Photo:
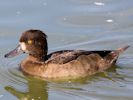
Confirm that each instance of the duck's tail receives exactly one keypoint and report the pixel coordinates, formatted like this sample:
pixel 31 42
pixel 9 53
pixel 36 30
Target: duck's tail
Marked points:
pixel 112 57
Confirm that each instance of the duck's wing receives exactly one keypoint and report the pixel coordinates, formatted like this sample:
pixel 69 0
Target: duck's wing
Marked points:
pixel 65 56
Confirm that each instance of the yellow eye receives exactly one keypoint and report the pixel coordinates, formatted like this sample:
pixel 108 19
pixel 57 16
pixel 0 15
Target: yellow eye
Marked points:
pixel 30 41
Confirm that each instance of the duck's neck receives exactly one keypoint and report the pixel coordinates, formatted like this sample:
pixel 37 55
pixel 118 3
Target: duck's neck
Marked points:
pixel 38 57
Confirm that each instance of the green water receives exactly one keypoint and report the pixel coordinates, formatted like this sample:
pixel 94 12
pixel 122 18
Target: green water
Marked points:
pixel 69 24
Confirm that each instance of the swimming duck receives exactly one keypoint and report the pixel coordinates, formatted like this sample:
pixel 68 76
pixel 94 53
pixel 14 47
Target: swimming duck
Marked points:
pixel 60 64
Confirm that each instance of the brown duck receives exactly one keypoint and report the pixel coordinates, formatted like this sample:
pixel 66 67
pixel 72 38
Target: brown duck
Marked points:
pixel 60 64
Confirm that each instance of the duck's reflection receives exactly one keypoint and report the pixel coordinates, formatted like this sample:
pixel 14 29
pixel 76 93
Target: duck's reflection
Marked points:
pixel 37 90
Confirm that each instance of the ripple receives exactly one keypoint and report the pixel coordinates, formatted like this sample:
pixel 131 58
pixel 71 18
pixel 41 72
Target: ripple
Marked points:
pixel 87 20
pixel 90 1
pixel 1 96
pixel 10 75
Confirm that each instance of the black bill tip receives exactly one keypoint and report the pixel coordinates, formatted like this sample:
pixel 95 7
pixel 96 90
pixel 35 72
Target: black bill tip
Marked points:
pixel 6 55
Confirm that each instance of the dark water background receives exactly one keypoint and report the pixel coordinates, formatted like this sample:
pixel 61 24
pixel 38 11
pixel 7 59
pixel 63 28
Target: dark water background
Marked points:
pixel 69 24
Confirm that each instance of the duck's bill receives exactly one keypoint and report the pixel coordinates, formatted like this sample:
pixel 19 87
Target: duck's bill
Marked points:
pixel 14 52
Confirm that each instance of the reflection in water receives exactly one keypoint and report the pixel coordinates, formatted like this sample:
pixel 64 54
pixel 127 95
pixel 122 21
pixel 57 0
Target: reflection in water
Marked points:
pixel 111 74
pixel 37 90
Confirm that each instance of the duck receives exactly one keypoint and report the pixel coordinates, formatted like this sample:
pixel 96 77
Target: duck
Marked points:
pixel 63 63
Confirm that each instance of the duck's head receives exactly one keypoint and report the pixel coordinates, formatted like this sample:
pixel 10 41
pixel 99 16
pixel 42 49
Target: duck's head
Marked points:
pixel 33 42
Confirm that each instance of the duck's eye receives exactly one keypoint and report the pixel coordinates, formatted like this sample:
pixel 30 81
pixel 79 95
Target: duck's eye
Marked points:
pixel 29 41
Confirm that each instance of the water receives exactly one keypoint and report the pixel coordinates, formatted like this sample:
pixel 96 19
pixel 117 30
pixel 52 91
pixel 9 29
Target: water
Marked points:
pixel 69 24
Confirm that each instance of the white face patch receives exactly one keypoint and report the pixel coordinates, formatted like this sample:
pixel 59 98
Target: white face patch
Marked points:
pixel 23 46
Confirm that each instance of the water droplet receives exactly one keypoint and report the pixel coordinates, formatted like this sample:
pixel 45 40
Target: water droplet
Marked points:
pixel 109 20
pixel 99 3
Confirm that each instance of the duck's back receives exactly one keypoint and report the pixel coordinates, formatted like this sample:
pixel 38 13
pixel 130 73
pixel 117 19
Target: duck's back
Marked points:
pixel 65 56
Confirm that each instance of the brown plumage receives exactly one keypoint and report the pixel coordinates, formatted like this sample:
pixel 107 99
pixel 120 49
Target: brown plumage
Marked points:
pixel 61 64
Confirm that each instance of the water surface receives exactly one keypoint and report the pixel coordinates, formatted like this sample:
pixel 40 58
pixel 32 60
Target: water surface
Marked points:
pixel 69 24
